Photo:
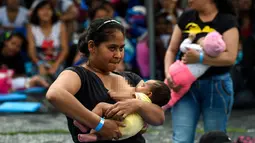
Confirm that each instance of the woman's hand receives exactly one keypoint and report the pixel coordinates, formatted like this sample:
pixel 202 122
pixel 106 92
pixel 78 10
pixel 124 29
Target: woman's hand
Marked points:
pixel 109 131
pixel 121 109
pixel 171 84
pixel 53 69
pixel 190 57
pixel 38 81
pixel 42 70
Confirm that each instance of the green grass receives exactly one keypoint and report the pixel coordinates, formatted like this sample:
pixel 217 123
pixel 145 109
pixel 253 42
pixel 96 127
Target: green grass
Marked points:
pixel 229 130
pixel 36 132
pixel 201 131
pixel 149 131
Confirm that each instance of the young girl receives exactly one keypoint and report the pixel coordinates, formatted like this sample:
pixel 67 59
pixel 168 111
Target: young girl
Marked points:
pixel 47 40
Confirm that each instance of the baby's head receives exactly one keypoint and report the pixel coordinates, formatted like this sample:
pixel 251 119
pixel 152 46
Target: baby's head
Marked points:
pixel 156 90
pixel 215 137
pixel 213 44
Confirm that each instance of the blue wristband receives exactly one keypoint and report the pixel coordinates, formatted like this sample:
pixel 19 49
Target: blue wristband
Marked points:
pixel 201 57
pixel 100 125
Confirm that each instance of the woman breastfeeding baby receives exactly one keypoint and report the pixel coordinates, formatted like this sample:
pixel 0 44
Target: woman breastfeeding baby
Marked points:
pixel 82 92
pixel 184 75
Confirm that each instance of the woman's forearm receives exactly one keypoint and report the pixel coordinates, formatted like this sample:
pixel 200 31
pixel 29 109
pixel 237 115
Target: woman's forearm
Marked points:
pixel 62 56
pixel 151 113
pixel 224 59
pixel 169 59
pixel 33 56
pixel 70 106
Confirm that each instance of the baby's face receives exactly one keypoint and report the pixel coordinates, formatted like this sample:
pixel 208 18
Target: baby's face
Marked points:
pixel 145 87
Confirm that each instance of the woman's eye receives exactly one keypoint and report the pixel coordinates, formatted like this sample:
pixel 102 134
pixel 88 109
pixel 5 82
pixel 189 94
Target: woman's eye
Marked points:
pixel 121 49
pixel 112 49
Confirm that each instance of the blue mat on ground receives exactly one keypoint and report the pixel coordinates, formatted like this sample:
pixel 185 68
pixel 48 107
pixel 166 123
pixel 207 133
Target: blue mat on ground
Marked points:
pixel 32 90
pixel 12 97
pixel 16 107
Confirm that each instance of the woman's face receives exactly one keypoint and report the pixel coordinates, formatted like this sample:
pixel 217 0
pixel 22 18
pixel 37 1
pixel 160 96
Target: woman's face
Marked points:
pixel 45 13
pixel 161 26
pixel 109 54
pixel 110 10
pixel 101 13
pixel 13 46
pixel 196 4
pixel 168 3
pixel 12 4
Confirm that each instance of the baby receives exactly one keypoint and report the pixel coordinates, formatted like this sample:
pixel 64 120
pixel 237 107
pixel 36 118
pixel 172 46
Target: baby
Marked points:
pixel 215 137
pixel 153 91
pixel 185 74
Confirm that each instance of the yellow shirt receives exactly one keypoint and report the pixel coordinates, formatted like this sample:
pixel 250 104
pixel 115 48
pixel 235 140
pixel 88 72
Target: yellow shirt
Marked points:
pixel 134 122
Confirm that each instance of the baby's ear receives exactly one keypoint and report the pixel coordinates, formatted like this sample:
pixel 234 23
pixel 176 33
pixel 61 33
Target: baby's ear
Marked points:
pixel 149 94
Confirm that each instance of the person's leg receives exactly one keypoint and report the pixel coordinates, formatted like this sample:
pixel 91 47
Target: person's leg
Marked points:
pixel 217 102
pixel 185 115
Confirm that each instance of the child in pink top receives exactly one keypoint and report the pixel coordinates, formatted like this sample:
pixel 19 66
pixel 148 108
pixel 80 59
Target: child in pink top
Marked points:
pixel 185 74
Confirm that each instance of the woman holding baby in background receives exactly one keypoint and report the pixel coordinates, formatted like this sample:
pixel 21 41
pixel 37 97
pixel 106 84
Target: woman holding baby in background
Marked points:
pixel 212 93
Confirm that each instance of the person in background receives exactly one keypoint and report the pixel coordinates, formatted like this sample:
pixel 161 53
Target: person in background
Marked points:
pixel 66 11
pixel 94 13
pixel 47 40
pixel 246 9
pixel 204 17
pixel 170 7
pixel 11 59
pixel 13 17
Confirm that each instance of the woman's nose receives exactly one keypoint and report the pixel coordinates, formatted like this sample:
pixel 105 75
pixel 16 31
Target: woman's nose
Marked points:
pixel 117 54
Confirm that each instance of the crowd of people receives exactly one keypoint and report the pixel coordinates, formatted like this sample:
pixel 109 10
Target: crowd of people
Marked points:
pixel 49 42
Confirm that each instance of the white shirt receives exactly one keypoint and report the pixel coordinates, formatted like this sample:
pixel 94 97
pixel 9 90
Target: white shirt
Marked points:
pixel 20 21
pixel 62 5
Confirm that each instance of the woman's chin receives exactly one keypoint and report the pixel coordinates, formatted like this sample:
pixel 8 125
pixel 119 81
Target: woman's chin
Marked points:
pixel 112 67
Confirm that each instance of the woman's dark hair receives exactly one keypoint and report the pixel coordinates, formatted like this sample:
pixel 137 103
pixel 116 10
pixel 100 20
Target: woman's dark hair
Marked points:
pixel 9 35
pixel 34 16
pixel 225 6
pixel 99 31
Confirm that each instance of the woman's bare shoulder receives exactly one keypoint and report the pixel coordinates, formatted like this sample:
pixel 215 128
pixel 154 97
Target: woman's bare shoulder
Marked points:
pixel 68 80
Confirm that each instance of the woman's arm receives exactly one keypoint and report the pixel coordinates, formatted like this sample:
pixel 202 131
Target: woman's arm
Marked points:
pixel 151 113
pixel 61 95
pixel 64 44
pixel 227 58
pixel 173 48
pixel 31 45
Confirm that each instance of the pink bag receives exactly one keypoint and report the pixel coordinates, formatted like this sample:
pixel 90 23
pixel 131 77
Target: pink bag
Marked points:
pixel 5 80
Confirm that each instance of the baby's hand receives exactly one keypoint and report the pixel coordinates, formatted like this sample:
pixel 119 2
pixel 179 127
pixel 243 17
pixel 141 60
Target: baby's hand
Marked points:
pixel 192 36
